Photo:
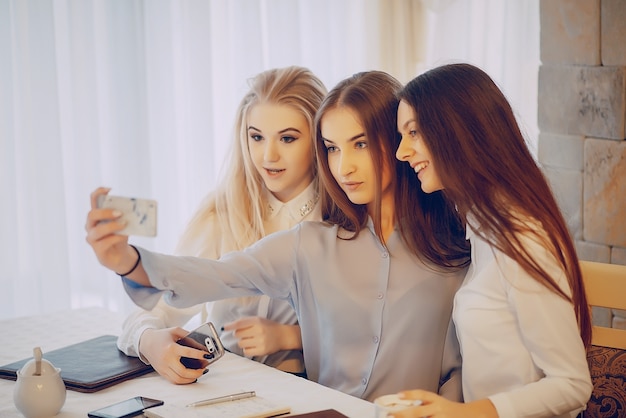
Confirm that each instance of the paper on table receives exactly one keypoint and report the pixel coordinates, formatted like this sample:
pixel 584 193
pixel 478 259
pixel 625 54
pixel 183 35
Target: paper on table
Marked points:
pixel 255 407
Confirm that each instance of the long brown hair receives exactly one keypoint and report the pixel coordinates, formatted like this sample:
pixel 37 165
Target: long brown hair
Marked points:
pixel 428 225
pixel 488 172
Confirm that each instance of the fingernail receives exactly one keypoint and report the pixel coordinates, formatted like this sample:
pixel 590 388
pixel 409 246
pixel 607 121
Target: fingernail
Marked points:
pixel 205 371
pixel 208 356
pixel 117 213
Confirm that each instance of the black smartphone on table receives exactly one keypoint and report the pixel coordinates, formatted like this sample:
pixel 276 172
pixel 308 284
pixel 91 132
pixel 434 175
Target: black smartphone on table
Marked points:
pixel 125 409
pixel 205 338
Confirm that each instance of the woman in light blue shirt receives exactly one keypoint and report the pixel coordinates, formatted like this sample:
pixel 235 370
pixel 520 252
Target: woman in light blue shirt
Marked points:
pixel 372 286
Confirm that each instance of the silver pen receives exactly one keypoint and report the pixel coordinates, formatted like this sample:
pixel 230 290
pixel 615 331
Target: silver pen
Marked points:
pixel 227 398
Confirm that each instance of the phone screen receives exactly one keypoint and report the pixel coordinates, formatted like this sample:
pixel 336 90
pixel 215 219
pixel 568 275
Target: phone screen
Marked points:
pixel 128 408
pixel 204 338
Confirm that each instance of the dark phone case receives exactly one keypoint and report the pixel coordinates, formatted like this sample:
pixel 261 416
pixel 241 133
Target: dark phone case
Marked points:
pixel 196 339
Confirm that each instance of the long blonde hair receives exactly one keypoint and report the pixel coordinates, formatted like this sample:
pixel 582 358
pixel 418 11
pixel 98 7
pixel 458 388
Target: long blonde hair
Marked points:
pixel 237 204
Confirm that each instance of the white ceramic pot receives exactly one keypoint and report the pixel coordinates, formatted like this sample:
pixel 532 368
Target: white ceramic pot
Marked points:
pixel 39 391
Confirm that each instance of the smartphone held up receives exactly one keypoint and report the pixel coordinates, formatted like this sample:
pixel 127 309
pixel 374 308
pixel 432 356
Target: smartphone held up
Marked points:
pixel 140 215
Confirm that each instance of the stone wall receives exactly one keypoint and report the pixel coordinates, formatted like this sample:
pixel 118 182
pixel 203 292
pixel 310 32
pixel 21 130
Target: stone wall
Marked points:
pixel 582 123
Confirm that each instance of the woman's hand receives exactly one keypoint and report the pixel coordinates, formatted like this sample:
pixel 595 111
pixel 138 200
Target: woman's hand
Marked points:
pixel 260 336
pixel 159 347
pixel 435 406
pixel 102 224
pixel 111 249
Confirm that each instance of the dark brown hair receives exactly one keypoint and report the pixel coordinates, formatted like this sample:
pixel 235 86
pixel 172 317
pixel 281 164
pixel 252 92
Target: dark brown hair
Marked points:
pixel 488 172
pixel 427 223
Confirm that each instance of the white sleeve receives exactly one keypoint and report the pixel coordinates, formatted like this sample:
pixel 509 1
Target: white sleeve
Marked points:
pixel 159 317
pixel 551 335
pixel 164 315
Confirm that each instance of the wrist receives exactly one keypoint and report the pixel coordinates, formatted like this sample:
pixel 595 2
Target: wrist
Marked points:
pixel 483 408
pixel 292 340
pixel 136 259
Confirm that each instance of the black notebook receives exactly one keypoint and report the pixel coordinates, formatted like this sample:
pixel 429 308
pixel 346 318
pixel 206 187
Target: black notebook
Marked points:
pixel 88 366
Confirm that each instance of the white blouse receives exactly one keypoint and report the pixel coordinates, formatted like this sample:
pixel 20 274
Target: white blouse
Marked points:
pixel 520 343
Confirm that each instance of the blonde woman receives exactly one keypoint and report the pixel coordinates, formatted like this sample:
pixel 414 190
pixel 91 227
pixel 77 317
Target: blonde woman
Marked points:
pixel 270 184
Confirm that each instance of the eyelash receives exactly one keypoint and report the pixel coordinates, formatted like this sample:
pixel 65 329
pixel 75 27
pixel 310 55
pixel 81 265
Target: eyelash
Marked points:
pixel 284 139
pixel 288 139
pixel 359 145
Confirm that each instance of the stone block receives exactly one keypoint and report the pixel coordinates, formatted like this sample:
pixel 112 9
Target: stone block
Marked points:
pixel 604 192
pixel 588 101
pixel 613 30
pixel 618 255
pixel 570 32
pixel 601 316
pixel 589 251
pixel 567 188
pixel 560 151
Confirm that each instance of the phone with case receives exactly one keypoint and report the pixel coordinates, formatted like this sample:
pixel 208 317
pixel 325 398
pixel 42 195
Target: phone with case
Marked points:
pixel 140 215
pixel 126 409
pixel 205 338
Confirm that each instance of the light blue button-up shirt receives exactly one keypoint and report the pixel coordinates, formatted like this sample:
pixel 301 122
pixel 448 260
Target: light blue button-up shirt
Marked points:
pixel 374 321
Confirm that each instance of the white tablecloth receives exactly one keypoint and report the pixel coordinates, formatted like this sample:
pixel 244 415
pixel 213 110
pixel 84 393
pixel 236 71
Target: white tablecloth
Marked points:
pixel 230 374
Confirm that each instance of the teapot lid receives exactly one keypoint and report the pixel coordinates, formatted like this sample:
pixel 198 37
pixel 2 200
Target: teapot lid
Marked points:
pixel 38 366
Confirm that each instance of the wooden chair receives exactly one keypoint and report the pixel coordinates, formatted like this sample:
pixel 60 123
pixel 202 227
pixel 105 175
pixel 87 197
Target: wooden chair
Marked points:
pixel 605 285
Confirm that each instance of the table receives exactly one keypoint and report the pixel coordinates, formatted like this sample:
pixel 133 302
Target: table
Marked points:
pixel 230 374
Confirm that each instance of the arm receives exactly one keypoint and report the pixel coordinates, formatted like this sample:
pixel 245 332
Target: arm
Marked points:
pixel 259 336
pixel 160 317
pixel 435 406
pixel 160 349
pixel 450 386
pixel 112 249
pixel 550 332
pixel 264 268
pixel 152 335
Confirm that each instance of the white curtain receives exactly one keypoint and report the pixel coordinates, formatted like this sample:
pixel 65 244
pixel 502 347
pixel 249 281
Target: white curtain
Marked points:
pixel 499 36
pixel 140 95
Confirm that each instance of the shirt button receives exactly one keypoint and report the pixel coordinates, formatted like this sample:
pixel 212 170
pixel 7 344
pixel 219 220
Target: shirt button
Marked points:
pixel 166 283
pixel 385 254
pixel 375 339
pixel 379 296
pixel 364 381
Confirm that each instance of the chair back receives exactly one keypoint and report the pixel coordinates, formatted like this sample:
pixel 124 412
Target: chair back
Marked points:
pixel 605 285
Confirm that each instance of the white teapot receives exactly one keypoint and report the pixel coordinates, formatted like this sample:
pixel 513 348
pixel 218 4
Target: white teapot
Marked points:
pixel 39 391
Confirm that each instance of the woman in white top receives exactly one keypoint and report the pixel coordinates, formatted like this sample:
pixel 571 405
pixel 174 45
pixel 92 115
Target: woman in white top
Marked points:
pixel 372 286
pixel 270 184
pixel 521 314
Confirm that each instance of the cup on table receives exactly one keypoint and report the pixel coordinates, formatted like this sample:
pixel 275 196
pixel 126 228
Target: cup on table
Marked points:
pixel 392 403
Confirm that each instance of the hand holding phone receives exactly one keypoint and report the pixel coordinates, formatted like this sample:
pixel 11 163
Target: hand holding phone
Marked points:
pixel 140 215
pixel 125 409
pixel 205 338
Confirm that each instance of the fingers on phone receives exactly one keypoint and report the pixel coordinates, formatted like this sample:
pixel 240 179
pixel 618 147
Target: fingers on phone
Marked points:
pixel 96 193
